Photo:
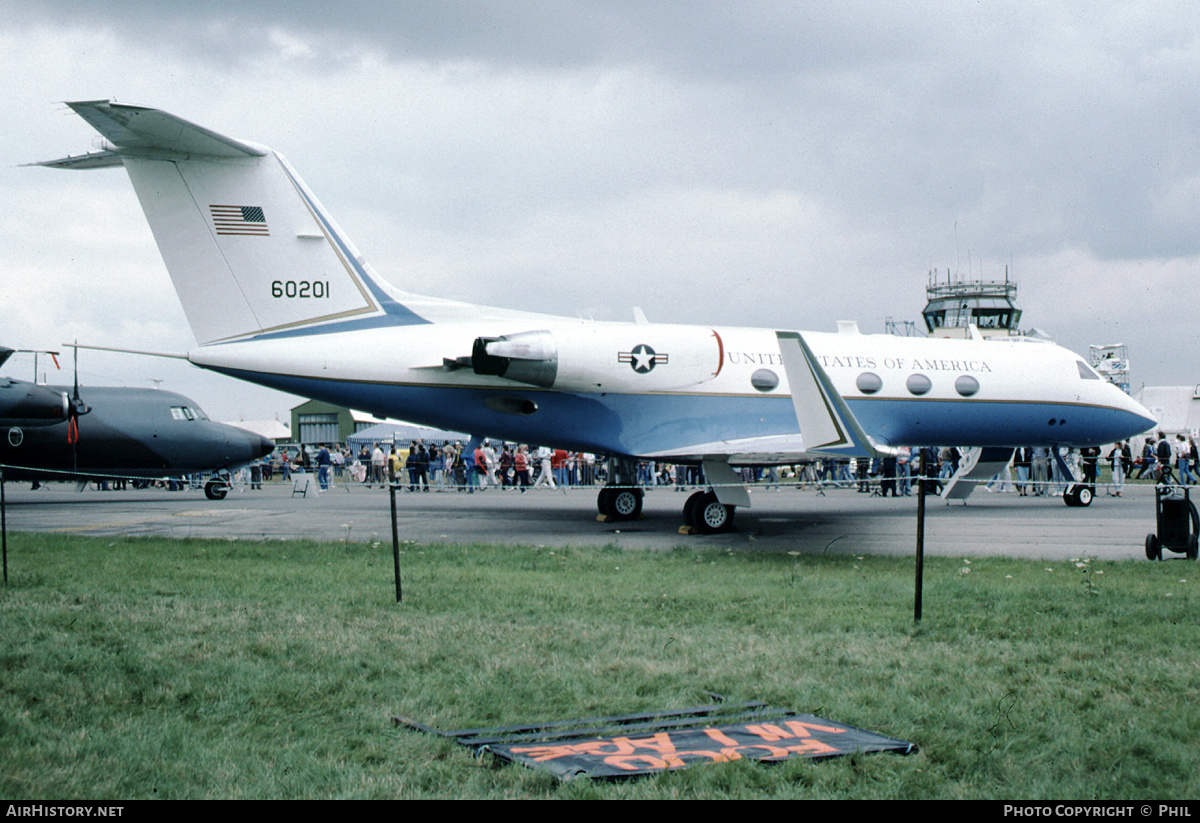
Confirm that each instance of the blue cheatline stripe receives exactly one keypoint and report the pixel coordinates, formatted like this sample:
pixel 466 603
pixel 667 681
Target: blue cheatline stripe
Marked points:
pixel 638 424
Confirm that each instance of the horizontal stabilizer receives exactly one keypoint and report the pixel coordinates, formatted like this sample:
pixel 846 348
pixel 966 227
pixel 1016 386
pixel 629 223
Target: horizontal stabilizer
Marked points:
pixel 92 160
pixel 137 127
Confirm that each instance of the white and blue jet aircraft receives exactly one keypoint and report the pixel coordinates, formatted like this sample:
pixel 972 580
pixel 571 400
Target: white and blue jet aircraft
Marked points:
pixel 276 294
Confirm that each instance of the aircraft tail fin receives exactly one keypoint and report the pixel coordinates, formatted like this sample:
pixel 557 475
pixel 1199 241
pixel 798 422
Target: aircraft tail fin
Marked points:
pixel 249 249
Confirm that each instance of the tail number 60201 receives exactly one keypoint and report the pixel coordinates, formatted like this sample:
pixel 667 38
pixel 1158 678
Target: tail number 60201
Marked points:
pixel 300 289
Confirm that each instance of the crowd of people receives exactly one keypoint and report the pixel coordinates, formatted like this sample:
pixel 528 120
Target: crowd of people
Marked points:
pixel 453 466
pixel 450 466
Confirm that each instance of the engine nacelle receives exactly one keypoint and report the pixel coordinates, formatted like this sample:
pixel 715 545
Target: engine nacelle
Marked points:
pixel 30 404
pixel 527 357
pixel 604 357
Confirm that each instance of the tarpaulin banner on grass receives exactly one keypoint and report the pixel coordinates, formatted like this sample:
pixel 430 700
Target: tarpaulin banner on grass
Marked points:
pixel 797 735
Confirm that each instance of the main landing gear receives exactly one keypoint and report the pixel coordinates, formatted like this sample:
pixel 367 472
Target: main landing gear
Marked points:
pixel 705 514
pixel 618 504
pixel 702 512
pixel 621 499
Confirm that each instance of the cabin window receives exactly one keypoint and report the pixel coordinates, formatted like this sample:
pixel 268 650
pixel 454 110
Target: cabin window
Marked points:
pixel 966 385
pixel 764 380
pixel 918 384
pixel 868 382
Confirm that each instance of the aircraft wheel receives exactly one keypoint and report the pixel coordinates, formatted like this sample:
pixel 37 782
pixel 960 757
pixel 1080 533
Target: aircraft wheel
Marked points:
pixel 690 508
pixel 712 516
pixel 626 504
pixel 216 490
pixel 620 504
pixel 1193 547
pixel 1153 547
pixel 1083 496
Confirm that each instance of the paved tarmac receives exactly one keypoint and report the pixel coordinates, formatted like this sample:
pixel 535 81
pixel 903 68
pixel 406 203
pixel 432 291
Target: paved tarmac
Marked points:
pixel 787 520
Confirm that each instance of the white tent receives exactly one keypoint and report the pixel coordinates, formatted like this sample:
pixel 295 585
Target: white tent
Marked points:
pixel 1176 408
pixel 402 434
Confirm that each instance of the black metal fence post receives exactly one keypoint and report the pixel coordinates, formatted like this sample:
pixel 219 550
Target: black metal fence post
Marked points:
pixel 920 537
pixel 395 539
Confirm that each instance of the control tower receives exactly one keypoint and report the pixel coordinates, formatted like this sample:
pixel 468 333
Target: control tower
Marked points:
pixel 988 305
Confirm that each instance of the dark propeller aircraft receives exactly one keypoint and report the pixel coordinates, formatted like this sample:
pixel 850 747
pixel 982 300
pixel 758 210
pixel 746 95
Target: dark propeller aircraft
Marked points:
pixel 50 433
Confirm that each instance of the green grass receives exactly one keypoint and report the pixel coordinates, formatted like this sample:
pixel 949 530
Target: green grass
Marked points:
pixel 138 668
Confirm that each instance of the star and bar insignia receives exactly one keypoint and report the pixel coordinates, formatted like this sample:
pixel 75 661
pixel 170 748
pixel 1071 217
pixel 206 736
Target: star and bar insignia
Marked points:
pixel 642 359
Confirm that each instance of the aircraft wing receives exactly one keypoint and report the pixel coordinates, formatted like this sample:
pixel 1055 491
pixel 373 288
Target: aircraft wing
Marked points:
pixel 781 449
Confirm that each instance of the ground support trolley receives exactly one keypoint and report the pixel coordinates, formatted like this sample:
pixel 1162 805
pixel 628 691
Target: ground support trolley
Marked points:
pixel 1177 522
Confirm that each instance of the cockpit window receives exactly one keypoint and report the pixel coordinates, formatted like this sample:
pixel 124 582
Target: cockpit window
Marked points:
pixel 182 413
pixel 1086 371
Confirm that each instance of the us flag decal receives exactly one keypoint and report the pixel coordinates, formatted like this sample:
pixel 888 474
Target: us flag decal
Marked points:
pixel 239 220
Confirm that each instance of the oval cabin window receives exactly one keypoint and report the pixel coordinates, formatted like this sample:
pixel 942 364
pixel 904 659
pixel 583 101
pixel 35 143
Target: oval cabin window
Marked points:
pixel 918 384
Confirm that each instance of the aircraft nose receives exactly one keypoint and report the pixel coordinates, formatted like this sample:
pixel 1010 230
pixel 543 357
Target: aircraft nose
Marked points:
pixel 1134 417
pixel 252 447
pixel 244 446
pixel 265 447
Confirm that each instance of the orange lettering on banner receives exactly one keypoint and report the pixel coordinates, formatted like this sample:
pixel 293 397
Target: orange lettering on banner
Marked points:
pixel 772 752
pixel 658 751
pixel 632 762
pixel 814 746
pixel 615 745
pixel 715 756
pixel 720 737
pixel 768 731
pixel 660 743
pixel 541 754
pixel 800 728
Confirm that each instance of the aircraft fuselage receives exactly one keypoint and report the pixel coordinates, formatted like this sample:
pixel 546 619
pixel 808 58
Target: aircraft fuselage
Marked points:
pixel 644 389
pixel 127 432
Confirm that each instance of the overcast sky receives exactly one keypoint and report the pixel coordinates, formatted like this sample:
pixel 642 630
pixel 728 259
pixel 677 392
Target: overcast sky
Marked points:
pixel 780 164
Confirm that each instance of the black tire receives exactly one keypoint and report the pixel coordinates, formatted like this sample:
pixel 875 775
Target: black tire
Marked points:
pixel 604 501
pixel 625 504
pixel 216 490
pixel 1153 547
pixel 689 510
pixel 712 516
pixel 1078 494
pixel 1193 547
